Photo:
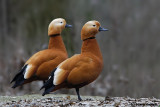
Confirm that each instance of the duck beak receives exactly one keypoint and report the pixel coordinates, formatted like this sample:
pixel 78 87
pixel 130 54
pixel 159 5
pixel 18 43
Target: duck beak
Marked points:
pixel 68 26
pixel 102 29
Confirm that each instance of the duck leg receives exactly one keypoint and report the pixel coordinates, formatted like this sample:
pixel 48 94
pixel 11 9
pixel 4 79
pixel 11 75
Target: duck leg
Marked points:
pixel 77 91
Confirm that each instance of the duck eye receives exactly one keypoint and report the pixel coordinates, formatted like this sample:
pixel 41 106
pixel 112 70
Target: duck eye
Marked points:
pixel 94 25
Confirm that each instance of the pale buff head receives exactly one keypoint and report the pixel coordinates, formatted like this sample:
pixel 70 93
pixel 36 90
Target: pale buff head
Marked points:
pixel 90 29
pixel 56 26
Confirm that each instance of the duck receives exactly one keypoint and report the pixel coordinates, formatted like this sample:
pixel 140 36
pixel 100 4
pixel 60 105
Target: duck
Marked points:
pixel 80 69
pixel 40 65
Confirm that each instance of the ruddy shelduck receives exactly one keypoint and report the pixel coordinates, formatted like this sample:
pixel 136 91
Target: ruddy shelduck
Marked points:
pixel 41 64
pixel 80 69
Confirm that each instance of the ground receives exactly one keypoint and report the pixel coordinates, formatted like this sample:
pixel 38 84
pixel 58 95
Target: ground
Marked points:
pixel 71 100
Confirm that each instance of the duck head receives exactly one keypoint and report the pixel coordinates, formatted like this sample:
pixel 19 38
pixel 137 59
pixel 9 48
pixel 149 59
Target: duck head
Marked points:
pixel 90 29
pixel 56 26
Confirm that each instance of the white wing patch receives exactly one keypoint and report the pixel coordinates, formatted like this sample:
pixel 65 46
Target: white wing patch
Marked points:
pixel 27 71
pixel 60 74
pixel 56 76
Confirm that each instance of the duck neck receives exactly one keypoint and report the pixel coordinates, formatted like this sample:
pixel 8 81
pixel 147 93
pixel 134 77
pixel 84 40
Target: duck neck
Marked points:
pixel 91 46
pixel 56 42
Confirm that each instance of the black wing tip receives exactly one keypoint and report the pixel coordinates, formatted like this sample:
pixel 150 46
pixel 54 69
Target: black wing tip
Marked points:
pixel 14 79
pixel 14 86
pixel 18 75
pixel 44 94
pixel 45 84
pixel 17 84
pixel 47 91
pixel 11 82
pixel 41 88
pixel 48 85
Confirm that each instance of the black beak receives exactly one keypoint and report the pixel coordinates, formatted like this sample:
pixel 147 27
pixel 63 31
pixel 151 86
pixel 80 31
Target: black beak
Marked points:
pixel 67 25
pixel 102 29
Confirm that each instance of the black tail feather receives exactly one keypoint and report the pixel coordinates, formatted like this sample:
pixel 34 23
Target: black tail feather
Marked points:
pixel 18 84
pixel 47 91
pixel 49 86
pixel 44 85
pixel 19 78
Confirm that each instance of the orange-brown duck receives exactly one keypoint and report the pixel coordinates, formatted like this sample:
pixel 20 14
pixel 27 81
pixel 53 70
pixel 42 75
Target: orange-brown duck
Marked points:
pixel 40 65
pixel 80 69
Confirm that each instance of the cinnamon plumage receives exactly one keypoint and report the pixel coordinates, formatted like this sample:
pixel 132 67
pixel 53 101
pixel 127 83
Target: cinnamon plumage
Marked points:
pixel 80 69
pixel 40 65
